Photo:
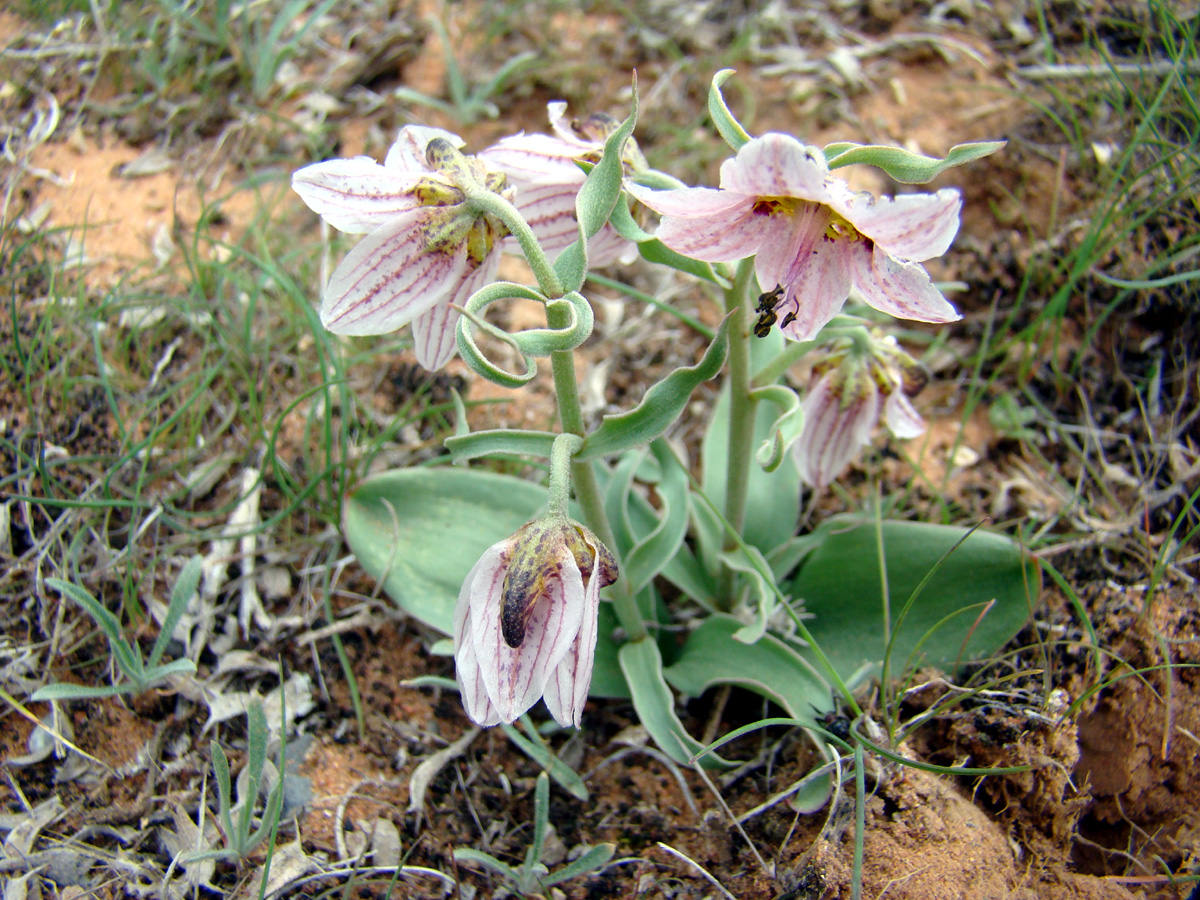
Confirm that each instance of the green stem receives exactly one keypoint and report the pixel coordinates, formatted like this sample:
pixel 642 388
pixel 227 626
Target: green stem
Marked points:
pixel 570 413
pixel 741 417
pixel 565 446
pixel 587 488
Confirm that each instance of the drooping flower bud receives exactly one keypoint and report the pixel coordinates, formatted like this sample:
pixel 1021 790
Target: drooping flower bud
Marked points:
pixel 525 622
pixel 855 381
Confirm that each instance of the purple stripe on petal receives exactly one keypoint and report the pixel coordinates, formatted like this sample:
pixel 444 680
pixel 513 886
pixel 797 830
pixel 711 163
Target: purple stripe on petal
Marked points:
pixel 521 673
pixel 355 195
pixel 832 434
pixel 727 236
pixel 900 289
pixel 914 227
pixel 388 279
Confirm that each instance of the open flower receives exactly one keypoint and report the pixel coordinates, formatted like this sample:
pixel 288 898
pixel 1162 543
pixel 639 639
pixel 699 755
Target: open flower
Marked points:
pixel 811 235
pixel 543 169
pixel 426 246
pixel 525 622
pixel 842 408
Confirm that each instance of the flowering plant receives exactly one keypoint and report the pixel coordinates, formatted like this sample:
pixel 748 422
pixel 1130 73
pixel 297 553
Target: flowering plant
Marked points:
pixel 628 540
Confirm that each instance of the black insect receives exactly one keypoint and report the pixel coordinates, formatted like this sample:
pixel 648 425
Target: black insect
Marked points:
pixel 834 723
pixel 766 311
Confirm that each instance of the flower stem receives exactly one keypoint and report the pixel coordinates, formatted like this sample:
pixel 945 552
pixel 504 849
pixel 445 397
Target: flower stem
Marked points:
pixel 583 475
pixel 565 446
pixel 742 406
pixel 570 413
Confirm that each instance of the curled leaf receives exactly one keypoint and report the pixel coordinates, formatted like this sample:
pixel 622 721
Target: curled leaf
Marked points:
pixel 728 127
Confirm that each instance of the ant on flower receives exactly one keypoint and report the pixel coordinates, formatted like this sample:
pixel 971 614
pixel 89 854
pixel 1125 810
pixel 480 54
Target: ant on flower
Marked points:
pixel 766 311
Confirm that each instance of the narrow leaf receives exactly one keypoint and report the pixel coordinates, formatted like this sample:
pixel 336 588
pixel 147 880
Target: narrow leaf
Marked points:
pixel 184 590
pixel 642 664
pixel 106 620
pixel 784 431
pixel 79 691
pixel 596 201
pixel 465 854
pixel 659 408
pixel 656 549
pixel 566 777
pixel 590 861
pixel 727 126
pixel 174 667
pixel 498 441
pixel 904 165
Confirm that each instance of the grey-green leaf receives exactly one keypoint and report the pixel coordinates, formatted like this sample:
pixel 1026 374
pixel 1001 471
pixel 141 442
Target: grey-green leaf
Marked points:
pixel 660 407
pixel 727 126
pixel 508 441
pixel 839 583
pixel 566 777
pixel 713 655
pixel 904 165
pixel 642 664
pixel 595 202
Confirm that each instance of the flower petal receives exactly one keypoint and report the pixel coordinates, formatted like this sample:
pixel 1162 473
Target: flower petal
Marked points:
pixel 813 268
pixel 482 586
pixel 550 211
pixel 915 227
pixel 898 288
pixel 389 278
pixel 407 154
pixel 715 226
pixel 833 435
pixel 434 339
pixel 903 420
pixel 690 203
pixel 355 195
pixel 534 158
pixel 520 674
pixel 567 688
pixel 777 165
pixel 607 247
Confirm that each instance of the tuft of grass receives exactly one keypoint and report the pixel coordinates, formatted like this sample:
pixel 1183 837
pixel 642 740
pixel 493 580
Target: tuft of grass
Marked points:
pixel 1130 126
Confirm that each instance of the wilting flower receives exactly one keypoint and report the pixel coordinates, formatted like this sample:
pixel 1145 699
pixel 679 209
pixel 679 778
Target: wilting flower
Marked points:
pixel 842 408
pixel 525 622
pixel 543 169
pixel 812 235
pixel 426 246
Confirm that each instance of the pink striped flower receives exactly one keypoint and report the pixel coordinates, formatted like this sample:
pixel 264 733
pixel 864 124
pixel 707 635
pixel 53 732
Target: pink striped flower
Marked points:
pixel 842 408
pixel 525 623
pixel 811 235
pixel 543 169
pixel 425 247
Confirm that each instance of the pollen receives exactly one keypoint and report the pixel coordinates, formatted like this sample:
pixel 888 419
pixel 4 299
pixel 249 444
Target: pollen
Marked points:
pixel 839 229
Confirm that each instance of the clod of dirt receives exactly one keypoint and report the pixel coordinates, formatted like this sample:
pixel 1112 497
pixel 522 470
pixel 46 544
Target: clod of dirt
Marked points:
pixel 925 841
